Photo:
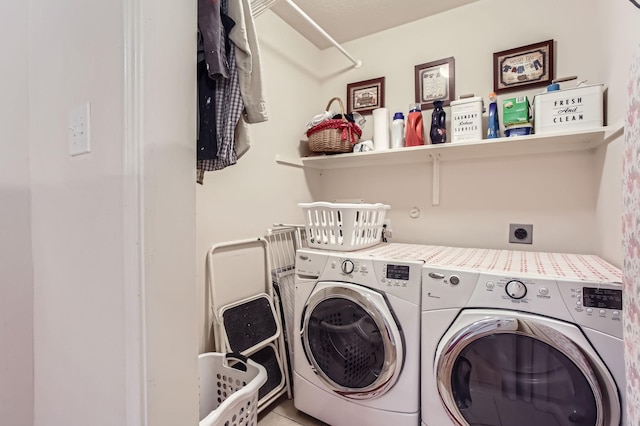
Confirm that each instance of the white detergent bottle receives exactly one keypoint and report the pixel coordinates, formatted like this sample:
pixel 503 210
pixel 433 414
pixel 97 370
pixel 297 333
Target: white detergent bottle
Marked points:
pixel 397 130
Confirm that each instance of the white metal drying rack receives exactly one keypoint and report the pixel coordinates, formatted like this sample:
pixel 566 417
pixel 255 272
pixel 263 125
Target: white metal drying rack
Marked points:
pixel 260 6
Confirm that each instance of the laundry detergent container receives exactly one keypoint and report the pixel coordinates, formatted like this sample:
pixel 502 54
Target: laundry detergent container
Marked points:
pixel 228 387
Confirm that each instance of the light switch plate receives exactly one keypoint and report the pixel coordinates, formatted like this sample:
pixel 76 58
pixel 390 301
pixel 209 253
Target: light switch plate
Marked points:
pixel 79 130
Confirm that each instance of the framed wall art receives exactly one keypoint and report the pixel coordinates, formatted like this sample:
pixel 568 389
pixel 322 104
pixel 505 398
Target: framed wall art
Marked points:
pixel 523 67
pixel 435 81
pixel 365 96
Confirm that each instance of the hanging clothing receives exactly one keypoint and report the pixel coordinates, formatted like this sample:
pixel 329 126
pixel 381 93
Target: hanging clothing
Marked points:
pixel 213 36
pixel 228 105
pixel 245 39
pixel 207 135
pixel 235 96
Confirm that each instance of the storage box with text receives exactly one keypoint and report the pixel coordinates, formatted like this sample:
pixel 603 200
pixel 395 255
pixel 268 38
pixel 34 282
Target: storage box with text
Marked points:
pixel 578 108
pixel 466 119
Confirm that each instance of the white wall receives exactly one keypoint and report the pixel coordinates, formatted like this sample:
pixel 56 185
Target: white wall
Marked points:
pixel 76 56
pixel 169 51
pixel 245 199
pixel 92 211
pixel 479 198
pixel 16 282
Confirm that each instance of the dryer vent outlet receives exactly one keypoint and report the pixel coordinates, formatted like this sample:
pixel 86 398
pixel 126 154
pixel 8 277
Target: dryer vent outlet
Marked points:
pixel 520 234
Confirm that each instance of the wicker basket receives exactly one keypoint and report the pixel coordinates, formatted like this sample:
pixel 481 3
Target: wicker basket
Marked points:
pixel 335 135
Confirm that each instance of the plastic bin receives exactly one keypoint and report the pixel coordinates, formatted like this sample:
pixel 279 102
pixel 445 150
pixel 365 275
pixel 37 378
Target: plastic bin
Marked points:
pixel 518 130
pixel 343 227
pixel 229 385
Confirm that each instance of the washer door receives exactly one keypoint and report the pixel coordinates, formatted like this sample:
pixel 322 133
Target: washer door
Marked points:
pixel 351 339
pixel 506 368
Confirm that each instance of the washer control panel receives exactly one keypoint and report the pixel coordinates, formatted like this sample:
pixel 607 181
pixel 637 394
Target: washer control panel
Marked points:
pixel 400 278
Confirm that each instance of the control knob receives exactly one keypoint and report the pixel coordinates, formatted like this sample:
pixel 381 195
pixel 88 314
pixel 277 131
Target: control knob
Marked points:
pixel 347 266
pixel 516 289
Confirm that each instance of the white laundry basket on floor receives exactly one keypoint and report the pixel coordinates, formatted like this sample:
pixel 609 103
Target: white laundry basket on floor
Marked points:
pixel 229 385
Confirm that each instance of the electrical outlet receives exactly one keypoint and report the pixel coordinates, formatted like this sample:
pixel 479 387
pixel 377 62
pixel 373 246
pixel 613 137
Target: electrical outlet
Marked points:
pixel 520 234
pixel 79 130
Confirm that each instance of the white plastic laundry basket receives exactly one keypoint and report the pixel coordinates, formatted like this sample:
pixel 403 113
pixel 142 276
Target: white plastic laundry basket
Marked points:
pixel 229 385
pixel 343 227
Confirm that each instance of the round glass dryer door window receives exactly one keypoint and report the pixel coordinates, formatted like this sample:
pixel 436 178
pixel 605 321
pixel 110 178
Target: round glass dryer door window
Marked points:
pixel 508 371
pixel 351 339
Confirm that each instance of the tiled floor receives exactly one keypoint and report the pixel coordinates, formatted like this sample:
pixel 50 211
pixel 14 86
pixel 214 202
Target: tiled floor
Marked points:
pixel 283 413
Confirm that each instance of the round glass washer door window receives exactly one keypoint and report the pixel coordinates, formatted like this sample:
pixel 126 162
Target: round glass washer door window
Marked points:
pixel 351 339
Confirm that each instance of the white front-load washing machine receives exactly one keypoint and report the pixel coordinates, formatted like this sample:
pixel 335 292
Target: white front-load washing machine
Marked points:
pixel 357 348
pixel 519 338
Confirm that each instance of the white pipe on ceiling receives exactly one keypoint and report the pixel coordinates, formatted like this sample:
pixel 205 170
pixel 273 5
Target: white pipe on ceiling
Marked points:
pixel 260 6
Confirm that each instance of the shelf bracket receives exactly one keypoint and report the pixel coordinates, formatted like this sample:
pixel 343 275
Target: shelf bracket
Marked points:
pixel 294 162
pixel 435 182
pixel 614 131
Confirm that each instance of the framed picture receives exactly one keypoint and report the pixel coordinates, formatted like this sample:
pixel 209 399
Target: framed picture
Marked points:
pixel 365 96
pixel 523 67
pixel 435 81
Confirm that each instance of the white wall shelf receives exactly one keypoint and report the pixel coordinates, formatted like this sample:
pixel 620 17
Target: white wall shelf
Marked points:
pixel 502 147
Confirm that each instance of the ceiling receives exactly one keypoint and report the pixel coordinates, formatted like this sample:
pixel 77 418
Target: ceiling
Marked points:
pixel 346 20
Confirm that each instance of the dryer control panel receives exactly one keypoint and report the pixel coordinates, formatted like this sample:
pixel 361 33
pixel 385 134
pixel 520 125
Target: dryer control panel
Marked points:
pixel 594 305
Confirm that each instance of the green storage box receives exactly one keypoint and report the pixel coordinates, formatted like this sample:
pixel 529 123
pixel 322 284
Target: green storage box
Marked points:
pixel 516 111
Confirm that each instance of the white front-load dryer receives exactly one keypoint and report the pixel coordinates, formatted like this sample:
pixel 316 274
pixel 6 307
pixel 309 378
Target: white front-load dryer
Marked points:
pixel 357 345
pixel 519 348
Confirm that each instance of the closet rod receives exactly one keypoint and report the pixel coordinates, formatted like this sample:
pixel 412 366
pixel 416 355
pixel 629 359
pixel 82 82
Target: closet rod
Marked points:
pixel 356 62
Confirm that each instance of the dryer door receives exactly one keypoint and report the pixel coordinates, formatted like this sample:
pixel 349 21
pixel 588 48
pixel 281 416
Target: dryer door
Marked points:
pixel 352 340
pixel 509 368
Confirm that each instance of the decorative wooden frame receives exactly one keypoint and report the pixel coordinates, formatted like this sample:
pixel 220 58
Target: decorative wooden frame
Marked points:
pixel 523 67
pixel 365 96
pixel 435 81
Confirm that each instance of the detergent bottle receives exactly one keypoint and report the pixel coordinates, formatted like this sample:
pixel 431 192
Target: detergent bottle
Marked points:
pixel 493 128
pixel 415 127
pixel 438 132
pixel 397 130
